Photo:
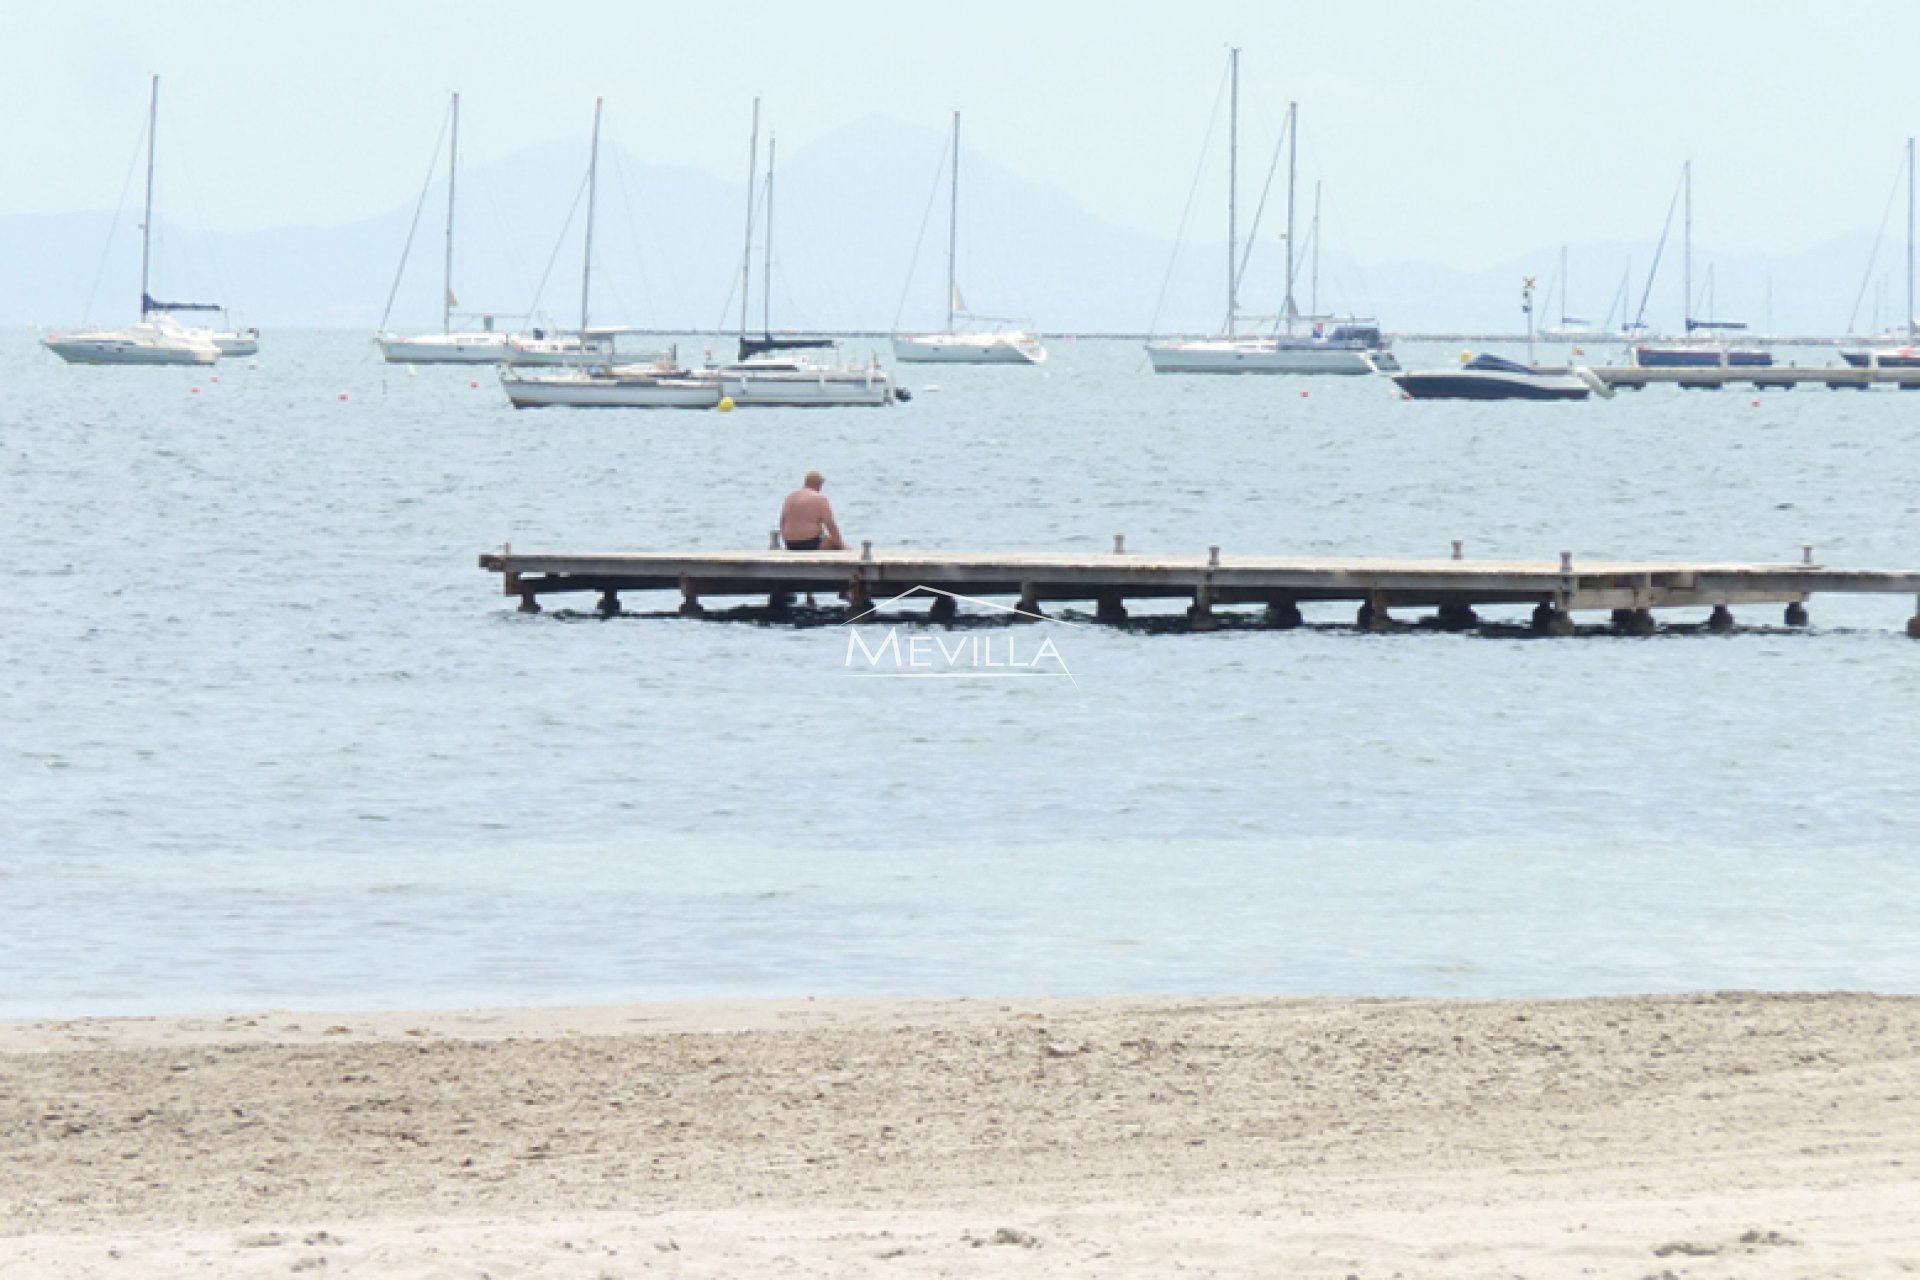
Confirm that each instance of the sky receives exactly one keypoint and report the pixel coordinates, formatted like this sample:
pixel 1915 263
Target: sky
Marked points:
pixel 1459 134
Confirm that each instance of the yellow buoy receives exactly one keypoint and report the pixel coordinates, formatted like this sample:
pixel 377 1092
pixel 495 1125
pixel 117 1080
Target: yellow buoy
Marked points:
pixel 1465 356
pixel 725 405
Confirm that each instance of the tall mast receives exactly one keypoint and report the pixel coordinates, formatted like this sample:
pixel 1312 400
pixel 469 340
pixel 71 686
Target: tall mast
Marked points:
pixel 1687 311
pixel 586 262
pixel 1565 291
pixel 1233 185
pixel 766 271
pixel 146 221
pixel 746 255
pixel 953 226
pixel 1909 324
pixel 1313 298
pixel 1293 150
pixel 453 168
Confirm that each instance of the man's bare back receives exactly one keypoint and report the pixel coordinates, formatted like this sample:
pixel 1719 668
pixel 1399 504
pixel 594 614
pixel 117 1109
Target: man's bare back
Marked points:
pixel 806 519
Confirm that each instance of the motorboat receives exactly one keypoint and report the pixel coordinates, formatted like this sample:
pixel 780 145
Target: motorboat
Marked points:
pixel 1490 377
pixel 1884 358
pixel 159 341
pixel 1345 348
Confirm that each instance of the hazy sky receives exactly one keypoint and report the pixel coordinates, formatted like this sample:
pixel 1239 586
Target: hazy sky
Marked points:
pixel 1461 133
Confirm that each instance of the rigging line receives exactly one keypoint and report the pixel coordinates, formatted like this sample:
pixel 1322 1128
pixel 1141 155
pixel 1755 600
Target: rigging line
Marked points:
pixel 1874 257
pixel 414 226
pixel 926 217
pixel 579 195
pixel 1639 319
pixel 649 299
pixel 722 329
pixel 1253 232
pixel 113 228
pixel 1186 214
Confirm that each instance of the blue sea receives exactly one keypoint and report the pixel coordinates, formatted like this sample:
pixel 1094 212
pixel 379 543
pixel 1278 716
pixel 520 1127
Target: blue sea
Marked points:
pixel 271 738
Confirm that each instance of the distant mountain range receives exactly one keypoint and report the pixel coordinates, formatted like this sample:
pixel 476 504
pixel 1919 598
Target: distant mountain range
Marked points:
pixel 849 210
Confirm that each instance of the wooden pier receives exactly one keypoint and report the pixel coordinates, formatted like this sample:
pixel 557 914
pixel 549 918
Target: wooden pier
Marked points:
pixel 1628 592
pixel 1780 377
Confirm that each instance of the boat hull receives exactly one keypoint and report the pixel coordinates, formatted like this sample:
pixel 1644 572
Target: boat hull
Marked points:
pixel 242 342
pixel 808 390
pixel 1475 384
pixel 1701 357
pixel 588 391
pixel 108 350
pixel 1266 357
pixel 1898 358
pixel 942 348
pixel 444 348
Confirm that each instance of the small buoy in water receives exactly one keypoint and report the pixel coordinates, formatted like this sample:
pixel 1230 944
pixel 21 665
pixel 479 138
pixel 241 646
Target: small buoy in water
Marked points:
pixel 725 405
pixel 343 395
pixel 253 364
pixel 196 391
pixel 474 385
pixel 1303 395
pixel 1756 404
pixel 1465 356
pixel 214 379
pixel 412 372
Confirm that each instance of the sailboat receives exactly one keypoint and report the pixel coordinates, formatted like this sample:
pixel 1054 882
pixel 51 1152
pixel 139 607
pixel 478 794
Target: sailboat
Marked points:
pixel 592 381
pixel 1352 347
pixel 948 346
pixel 1906 355
pixel 764 374
pixel 1691 354
pixel 483 346
pixel 158 338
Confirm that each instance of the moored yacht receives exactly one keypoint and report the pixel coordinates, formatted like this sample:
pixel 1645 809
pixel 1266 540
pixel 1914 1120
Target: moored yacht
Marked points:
pixel 1489 377
pixel 157 341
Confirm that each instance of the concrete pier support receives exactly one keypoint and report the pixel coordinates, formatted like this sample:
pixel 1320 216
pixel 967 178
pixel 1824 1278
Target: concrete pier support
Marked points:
pixel 690 606
pixel 1111 607
pixel 1373 615
pixel 1796 615
pixel 1457 616
pixel 609 603
pixel 1200 613
pixel 529 602
pixel 1913 623
pixel 1640 622
pixel 1029 606
pixel 1284 615
pixel 1549 619
pixel 1720 620
pixel 859 600
pixel 944 610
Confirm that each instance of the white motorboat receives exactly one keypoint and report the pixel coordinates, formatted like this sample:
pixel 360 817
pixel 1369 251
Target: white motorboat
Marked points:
pixel 968 348
pixel 149 342
pixel 450 345
pixel 1353 347
pixel 158 338
pixel 948 346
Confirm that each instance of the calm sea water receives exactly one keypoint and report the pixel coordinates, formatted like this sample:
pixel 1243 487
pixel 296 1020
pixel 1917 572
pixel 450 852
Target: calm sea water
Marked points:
pixel 270 737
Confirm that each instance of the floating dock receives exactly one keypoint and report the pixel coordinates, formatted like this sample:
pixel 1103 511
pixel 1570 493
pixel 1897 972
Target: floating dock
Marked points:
pixel 1628 592
pixel 1778 377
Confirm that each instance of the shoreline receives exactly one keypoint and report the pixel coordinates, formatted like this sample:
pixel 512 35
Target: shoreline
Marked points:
pixel 1694 1135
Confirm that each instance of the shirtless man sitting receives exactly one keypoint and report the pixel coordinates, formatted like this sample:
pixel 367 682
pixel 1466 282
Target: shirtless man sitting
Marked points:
pixel 806 519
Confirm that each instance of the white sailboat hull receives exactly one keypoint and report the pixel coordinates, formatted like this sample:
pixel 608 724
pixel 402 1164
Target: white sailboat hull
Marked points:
pixel 444 348
pixel 806 388
pixel 238 342
pixel 1257 356
pixel 967 348
pixel 581 390
pixel 131 346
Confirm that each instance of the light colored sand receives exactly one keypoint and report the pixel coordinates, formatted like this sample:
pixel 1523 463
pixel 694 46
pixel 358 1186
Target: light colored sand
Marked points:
pixel 1708 1137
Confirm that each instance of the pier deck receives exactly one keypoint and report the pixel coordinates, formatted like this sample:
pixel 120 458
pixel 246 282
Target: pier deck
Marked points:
pixel 1630 591
pixel 1761 377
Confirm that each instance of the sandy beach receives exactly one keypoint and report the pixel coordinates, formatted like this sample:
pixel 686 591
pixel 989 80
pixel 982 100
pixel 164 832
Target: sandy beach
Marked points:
pixel 1708 1136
